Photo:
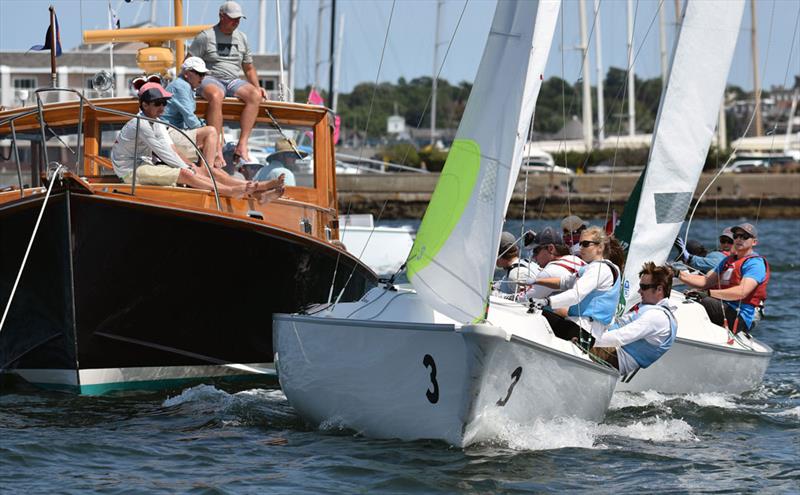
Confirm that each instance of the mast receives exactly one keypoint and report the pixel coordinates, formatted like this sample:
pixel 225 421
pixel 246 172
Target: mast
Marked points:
pixel 662 38
pixel 292 48
pixel 330 54
pixel 587 89
pixel 337 64
pixel 179 50
pixel 434 78
pixel 152 12
pixel 262 26
pixel 53 47
pixel 318 65
pixel 281 83
pixel 756 80
pixel 631 78
pixel 601 110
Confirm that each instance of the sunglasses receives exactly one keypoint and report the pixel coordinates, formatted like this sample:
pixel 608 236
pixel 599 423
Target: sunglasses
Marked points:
pixel 585 244
pixel 725 240
pixel 742 235
pixel 647 286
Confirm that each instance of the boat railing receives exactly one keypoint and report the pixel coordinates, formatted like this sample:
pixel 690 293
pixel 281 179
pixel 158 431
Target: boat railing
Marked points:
pixel 80 151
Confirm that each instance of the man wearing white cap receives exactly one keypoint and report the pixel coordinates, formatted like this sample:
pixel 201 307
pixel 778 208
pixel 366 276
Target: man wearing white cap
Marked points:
pixel 180 112
pixel 226 52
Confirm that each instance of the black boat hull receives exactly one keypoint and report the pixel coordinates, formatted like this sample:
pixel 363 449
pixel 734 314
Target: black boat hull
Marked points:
pixel 118 294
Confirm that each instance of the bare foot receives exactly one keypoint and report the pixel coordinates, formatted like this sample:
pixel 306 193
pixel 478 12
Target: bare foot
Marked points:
pixel 243 154
pixel 266 185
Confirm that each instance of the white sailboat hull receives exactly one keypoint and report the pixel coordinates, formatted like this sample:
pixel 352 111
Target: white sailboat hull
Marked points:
pixel 430 379
pixel 702 360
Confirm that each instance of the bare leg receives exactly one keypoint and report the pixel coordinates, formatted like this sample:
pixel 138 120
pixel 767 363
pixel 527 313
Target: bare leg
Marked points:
pixel 189 178
pixel 251 97
pixel 214 95
pixel 208 141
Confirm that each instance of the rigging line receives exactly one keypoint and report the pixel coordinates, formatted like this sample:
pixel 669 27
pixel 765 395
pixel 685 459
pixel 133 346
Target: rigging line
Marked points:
pixel 53 180
pixel 750 122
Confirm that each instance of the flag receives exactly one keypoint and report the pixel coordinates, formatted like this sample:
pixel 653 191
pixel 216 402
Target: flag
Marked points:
pixel 48 38
pixel 337 124
pixel 113 20
pixel 315 98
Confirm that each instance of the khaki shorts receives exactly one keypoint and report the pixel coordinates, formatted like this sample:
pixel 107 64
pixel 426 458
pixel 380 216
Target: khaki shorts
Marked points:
pixel 155 175
pixel 184 146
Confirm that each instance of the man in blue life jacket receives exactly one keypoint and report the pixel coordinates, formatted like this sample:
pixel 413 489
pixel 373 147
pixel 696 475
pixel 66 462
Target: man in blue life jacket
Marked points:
pixel 644 334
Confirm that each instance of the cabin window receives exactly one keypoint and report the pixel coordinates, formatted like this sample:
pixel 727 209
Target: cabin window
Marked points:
pixel 268 84
pixel 268 146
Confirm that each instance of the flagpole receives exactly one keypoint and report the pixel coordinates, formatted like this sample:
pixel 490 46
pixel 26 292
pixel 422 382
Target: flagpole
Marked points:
pixel 111 23
pixel 52 47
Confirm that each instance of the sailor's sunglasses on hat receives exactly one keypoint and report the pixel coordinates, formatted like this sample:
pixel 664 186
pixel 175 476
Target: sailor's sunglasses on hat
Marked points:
pixel 742 235
pixel 140 81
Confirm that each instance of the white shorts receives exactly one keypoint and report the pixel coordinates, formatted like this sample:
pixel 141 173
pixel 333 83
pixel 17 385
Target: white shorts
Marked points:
pixel 154 175
pixel 183 145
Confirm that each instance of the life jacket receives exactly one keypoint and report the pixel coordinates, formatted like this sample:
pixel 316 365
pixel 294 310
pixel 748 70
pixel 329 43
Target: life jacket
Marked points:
pixel 599 305
pixel 731 276
pixel 569 265
pixel 643 352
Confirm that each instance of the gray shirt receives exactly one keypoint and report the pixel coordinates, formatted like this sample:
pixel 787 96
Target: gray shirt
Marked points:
pixel 223 53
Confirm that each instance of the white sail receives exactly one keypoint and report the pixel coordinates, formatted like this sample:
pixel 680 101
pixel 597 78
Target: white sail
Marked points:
pixel 685 125
pixel 452 261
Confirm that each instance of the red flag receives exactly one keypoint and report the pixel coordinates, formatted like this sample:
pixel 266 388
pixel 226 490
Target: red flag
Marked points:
pixel 315 98
pixel 337 123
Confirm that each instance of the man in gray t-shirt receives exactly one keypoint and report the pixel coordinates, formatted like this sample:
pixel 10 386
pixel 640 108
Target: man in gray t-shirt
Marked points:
pixel 225 51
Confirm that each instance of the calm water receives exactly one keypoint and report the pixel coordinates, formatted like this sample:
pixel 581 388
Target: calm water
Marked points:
pixel 208 439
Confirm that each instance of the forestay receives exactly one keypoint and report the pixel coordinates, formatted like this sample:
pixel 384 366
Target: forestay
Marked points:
pixel 686 122
pixel 452 260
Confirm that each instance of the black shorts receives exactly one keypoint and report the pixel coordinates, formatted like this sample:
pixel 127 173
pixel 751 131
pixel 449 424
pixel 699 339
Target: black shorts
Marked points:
pixel 718 311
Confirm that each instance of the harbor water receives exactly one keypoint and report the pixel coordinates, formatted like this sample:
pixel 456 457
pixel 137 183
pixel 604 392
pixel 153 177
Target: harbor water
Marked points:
pixel 218 438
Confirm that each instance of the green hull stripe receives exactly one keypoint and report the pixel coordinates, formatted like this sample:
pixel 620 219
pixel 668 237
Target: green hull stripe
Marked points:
pixel 450 198
pixel 144 385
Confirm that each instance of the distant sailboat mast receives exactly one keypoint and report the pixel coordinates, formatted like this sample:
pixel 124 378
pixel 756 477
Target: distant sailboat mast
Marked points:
pixel 631 77
pixel 434 78
pixel 756 80
pixel 586 77
pixel 601 110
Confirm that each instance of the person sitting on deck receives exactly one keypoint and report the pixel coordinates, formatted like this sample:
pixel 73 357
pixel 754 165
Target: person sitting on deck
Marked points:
pixel 555 260
pixel 737 285
pixel 225 50
pixel 281 162
pixel 697 257
pixel 518 270
pixel 589 299
pixel 153 140
pixel 644 334
pixel 180 112
pixel 571 228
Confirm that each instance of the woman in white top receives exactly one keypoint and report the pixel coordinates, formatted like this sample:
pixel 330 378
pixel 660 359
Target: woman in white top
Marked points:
pixel 590 296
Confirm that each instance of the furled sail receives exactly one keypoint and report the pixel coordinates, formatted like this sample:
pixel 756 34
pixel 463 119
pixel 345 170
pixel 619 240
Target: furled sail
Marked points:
pixel 452 261
pixel 685 125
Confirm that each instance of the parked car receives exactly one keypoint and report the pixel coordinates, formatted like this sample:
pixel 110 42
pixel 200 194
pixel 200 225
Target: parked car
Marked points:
pixel 747 166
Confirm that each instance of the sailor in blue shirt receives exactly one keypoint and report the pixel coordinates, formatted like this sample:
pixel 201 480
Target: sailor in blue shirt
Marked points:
pixel 702 260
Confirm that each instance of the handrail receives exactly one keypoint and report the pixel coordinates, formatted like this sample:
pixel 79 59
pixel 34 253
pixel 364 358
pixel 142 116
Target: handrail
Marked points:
pixel 81 151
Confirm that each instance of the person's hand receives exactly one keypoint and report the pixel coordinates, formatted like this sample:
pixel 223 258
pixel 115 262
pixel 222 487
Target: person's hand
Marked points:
pixel 681 245
pixel 676 269
pixel 263 93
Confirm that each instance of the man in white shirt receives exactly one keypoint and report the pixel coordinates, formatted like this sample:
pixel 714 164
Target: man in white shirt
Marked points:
pixel 518 270
pixel 555 260
pixel 644 334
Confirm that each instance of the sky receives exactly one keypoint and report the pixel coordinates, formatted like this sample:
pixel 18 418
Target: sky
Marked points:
pixel 410 36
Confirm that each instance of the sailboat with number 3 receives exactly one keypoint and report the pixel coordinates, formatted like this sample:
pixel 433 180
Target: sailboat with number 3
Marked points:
pixel 439 361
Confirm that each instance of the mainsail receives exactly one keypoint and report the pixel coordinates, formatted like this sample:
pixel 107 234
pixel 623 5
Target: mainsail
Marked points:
pixel 452 261
pixel 685 125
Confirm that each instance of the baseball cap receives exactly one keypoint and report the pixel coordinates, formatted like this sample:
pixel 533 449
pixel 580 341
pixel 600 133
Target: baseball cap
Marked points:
pixel 196 64
pixel 728 232
pixel 153 91
pixel 232 10
pixel 747 227
pixel 548 235
pixel 572 223
pixel 507 240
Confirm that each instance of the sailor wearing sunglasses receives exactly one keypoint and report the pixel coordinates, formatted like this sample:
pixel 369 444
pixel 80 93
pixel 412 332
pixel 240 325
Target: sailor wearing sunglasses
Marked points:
pixel 737 286
pixel 644 334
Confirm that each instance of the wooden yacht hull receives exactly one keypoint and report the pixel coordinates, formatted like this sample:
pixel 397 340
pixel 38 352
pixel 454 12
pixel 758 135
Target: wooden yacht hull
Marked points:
pixel 125 294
